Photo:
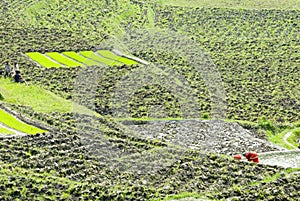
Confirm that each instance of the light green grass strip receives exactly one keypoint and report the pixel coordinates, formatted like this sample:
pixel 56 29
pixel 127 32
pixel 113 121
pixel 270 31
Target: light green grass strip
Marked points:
pixel 14 123
pixel 81 59
pixel 42 60
pixel 38 98
pixel 110 55
pixel 93 56
pixel 294 137
pixel 5 131
pixel 64 60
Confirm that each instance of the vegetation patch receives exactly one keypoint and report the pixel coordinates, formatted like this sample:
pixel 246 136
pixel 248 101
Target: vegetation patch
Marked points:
pixel 108 54
pixel 38 98
pixel 43 60
pixel 16 124
pixel 79 59
pixel 63 59
pixel 5 131
pixel 295 137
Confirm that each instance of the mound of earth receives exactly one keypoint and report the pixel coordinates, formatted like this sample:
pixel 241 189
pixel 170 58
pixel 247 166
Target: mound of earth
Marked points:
pixel 208 135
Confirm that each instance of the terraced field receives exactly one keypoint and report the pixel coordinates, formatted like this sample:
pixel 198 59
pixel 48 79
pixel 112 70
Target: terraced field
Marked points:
pixel 149 100
pixel 9 125
pixel 79 59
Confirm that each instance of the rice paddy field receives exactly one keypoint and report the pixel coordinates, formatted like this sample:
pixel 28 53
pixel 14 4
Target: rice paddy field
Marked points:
pixel 150 100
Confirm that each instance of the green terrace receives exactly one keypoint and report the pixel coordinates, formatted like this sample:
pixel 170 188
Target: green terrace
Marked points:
pixel 79 59
pixel 9 125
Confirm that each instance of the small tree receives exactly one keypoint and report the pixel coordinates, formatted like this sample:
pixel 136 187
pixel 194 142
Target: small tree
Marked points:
pixel 1 97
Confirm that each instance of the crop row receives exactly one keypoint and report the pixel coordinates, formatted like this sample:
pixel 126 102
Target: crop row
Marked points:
pixel 87 146
pixel 73 164
pixel 279 188
pixel 80 59
pixel 255 51
pixel 259 69
pixel 12 122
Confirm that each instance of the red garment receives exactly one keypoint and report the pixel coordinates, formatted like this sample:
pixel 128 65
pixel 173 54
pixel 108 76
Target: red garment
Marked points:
pixel 238 157
pixel 252 156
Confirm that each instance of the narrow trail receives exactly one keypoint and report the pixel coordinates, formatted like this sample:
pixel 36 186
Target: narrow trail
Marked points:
pixel 286 136
pixel 16 132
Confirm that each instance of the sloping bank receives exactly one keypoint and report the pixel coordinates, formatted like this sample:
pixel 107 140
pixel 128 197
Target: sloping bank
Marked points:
pixel 208 135
pixel 285 159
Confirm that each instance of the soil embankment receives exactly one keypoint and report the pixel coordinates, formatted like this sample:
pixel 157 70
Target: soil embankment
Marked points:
pixel 208 135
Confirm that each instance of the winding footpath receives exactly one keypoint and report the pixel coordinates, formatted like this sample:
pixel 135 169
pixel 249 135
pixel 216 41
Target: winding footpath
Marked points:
pixel 286 136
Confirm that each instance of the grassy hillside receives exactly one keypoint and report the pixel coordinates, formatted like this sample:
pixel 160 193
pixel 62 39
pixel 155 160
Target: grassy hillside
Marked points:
pixel 254 51
pixel 37 98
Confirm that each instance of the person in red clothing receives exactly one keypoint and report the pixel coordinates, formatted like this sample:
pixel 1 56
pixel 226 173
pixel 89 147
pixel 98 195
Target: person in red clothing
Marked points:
pixel 251 156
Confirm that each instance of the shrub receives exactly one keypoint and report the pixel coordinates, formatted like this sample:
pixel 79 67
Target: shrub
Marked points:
pixel 265 124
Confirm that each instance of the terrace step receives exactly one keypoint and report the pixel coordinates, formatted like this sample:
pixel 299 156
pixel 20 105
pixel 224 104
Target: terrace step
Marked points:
pixel 83 58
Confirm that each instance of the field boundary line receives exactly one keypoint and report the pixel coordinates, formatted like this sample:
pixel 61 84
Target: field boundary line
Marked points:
pixel 26 119
pixel 33 61
pixel 119 53
pixel 63 55
pixel 16 132
pixel 62 65
pixel 286 136
pixel 96 53
pixel 91 59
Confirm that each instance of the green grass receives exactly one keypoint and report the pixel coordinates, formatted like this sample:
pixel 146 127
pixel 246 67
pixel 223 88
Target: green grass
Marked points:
pixel 80 58
pixel 294 137
pixel 64 60
pixel 14 123
pixel 110 55
pixel 42 60
pixel 254 4
pixel 38 98
pixel 95 57
pixel 5 131
pixel 278 139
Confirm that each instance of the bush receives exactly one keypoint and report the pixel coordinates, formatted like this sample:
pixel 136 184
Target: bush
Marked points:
pixel 1 97
pixel 265 124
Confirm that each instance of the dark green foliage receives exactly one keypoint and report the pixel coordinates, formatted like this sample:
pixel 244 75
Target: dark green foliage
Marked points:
pixel 266 124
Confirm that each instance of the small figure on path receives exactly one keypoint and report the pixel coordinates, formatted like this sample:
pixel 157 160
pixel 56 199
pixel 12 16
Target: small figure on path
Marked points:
pixel 251 156
pixel 17 77
pixel 7 70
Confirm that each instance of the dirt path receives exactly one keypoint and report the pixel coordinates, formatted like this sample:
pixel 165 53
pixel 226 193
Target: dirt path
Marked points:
pixel 286 136
pixel 16 132
pixel 286 159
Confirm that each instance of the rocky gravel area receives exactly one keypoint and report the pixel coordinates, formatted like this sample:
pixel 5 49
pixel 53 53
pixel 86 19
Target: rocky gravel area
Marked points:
pixel 208 135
